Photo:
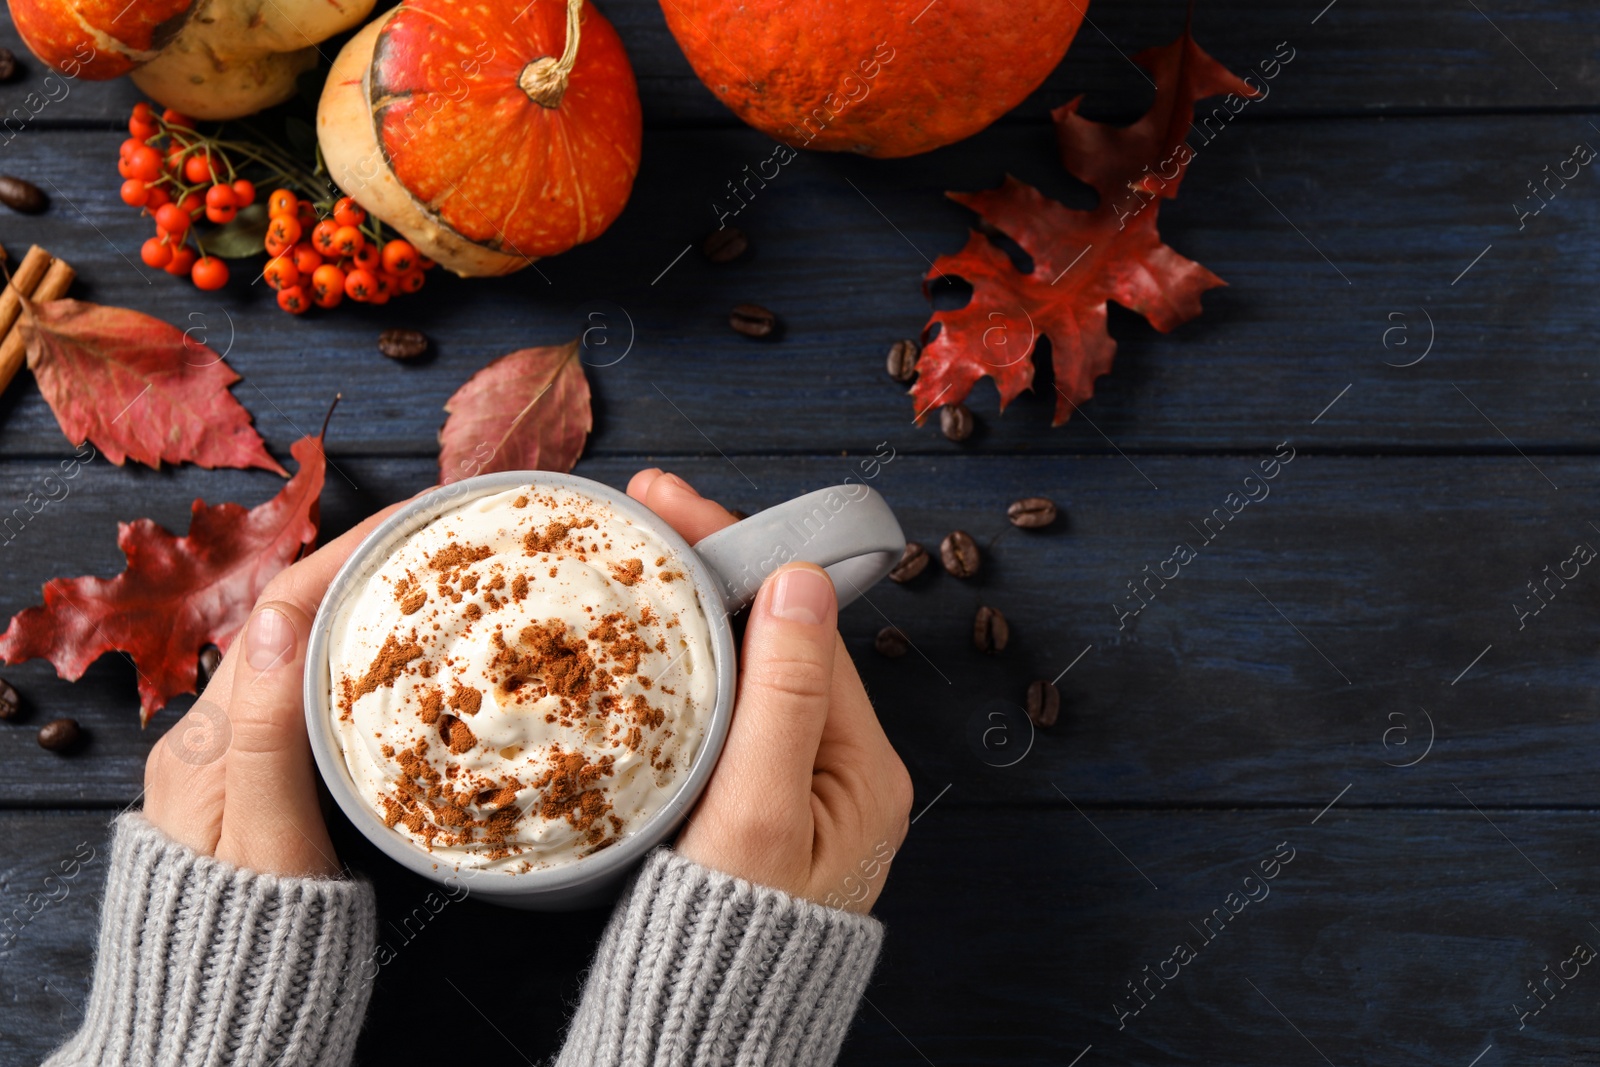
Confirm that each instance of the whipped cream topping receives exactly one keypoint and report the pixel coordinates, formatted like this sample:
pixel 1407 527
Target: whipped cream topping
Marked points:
pixel 523 681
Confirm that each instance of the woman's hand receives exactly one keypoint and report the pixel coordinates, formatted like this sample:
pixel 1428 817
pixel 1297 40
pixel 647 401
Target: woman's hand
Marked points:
pixel 809 796
pixel 233 778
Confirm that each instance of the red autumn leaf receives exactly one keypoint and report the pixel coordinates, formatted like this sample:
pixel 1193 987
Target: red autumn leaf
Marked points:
pixel 1081 259
pixel 525 411
pixel 178 594
pixel 136 386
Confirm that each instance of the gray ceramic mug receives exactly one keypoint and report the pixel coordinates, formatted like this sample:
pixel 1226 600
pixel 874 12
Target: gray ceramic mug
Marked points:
pixel 847 529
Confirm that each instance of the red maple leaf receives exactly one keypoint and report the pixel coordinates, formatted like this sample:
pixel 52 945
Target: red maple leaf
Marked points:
pixel 139 387
pixel 525 411
pixel 1081 259
pixel 178 594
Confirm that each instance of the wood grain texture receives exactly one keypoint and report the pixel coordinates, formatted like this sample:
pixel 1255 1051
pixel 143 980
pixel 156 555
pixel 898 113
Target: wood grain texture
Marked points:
pixel 839 254
pixel 1345 667
pixel 1360 56
pixel 1393 939
pixel 1391 576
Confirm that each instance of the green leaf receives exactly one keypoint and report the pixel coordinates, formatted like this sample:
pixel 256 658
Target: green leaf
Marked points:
pixel 245 236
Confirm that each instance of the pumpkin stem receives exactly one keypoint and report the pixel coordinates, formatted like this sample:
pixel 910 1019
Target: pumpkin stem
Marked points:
pixel 545 79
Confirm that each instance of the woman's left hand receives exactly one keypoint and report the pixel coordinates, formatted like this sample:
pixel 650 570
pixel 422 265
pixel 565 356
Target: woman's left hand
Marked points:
pixel 233 778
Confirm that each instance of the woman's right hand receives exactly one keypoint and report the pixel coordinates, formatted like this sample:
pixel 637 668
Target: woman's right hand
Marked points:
pixel 809 796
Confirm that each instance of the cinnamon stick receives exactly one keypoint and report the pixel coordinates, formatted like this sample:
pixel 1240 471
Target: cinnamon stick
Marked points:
pixel 25 280
pixel 53 286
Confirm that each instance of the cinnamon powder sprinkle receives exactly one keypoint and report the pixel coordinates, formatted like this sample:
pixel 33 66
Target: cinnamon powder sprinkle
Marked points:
pixel 458 733
pixel 391 660
pixel 431 704
pixel 485 811
pixel 629 571
pixel 569 792
pixel 435 810
pixel 582 673
pixel 410 594
pixel 546 652
pixel 644 714
pixel 466 700
pixel 553 537
pixel 620 640
pixel 455 556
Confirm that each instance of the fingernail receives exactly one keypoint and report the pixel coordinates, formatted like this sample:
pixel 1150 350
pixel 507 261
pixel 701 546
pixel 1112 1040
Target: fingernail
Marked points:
pixel 270 640
pixel 802 595
pixel 681 484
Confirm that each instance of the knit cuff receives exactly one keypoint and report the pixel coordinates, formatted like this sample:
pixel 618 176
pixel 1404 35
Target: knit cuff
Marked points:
pixel 700 967
pixel 200 961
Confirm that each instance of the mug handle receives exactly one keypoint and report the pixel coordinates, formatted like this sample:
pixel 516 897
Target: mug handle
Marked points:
pixel 846 529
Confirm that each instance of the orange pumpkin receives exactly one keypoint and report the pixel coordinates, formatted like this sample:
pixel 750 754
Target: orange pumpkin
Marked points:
pixel 210 59
pixel 880 77
pixel 96 39
pixel 489 133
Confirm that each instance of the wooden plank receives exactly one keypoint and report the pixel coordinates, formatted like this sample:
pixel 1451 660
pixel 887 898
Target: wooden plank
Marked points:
pixel 1311 641
pixel 1276 347
pixel 1392 938
pixel 1387 938
pixel 1357 56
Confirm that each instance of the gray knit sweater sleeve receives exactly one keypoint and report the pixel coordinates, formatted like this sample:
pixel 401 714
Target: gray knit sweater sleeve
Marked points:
pixel 701 968
pixel 203 962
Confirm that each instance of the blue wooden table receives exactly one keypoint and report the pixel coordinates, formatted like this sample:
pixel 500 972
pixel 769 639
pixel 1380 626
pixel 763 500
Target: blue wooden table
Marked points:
pixel 1327 797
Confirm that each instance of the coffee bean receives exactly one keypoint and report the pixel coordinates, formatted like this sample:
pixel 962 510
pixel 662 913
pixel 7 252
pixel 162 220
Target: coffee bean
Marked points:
pixel 60 735
pixel 959 554
pixel 753 320
pixel 1044 702
pixel 10 703
pixel 725 245
pixel 903 360
pixel 402 344
pixel 990 631
pixel 913 561
pixel 8 65
pixel 22 196
pixel 891 642
pixel 1032 512
pixel 955 421
pixel 210 660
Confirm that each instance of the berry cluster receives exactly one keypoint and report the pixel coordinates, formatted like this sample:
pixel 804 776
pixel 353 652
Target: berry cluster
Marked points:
pixel 321 251
pixel 323 260
pixel 167 183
